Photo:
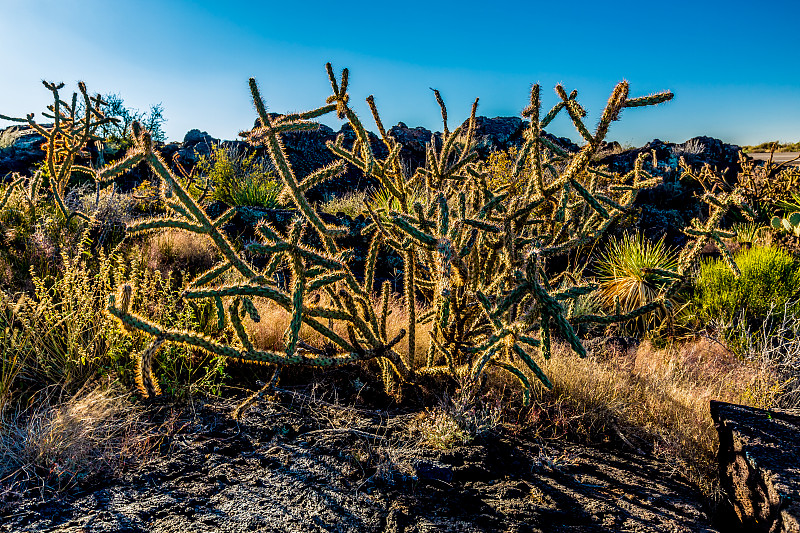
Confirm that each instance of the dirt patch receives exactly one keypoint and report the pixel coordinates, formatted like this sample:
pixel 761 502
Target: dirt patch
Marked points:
pixel 303 464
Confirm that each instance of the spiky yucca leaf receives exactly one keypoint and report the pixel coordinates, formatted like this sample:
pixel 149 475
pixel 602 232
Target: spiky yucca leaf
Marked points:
pixel 635 271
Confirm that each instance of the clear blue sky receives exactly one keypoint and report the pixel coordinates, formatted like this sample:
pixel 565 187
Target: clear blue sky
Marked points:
pixel 733 67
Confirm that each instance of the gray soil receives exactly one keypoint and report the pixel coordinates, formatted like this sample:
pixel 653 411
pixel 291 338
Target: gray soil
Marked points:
pixel 304 464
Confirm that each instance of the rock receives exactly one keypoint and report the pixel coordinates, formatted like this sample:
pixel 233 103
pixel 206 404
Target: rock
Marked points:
pixel 664 209
pixel 414 141
pixel 759 466
pixel 265 472
pixel 497 133
pixel 307 151
pixel 195 136
pixel 20 148
pixel 432 471
pixel 195 144
pixel 501 133
pixel 697 151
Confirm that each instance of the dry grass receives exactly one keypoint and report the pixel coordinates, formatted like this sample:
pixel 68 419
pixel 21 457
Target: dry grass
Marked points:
pixel 56 444
pixel 652 399
pixel 177 250
pixel 269 332
pixel 350 203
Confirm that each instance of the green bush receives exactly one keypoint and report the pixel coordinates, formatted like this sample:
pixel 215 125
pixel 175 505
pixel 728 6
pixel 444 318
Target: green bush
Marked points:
pixel 769 283
pixel 59 334
pixel 240 179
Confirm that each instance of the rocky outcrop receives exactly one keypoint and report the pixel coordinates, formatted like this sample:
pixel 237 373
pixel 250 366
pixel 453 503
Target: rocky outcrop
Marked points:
pixel 20 148
pixel 759 467
pixel 669 206
pixel 662 210
pixel 697 151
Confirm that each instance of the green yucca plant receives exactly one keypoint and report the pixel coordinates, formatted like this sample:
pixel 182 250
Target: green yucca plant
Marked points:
pixel 748 232
pixel 382 201
pixel 633 272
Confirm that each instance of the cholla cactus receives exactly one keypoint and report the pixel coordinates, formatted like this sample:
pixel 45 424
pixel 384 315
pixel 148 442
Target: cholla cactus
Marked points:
pixel 74 125
pixel 474 254
pixel 719 204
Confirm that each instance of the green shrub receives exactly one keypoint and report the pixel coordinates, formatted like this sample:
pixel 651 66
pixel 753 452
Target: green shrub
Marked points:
pixel 59 335
pixel 240 179
pixel 768 284
pixel 351 204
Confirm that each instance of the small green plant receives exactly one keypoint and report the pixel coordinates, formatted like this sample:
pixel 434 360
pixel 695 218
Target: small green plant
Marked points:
pixel 634 272
pixel 769 280
pixel 350 203
pixel 459 420
pixel 748 232
pixel 381 201
pixel 240 179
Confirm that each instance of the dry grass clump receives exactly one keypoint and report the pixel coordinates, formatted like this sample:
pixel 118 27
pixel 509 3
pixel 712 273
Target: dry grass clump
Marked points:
pixel 459 420
pixel 397 320
pixel 58 443
pixel 177 250
pixel 350 203
pixel 652 399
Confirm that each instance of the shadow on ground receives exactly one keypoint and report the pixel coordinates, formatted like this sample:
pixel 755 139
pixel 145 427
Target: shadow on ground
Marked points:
pixel 303 464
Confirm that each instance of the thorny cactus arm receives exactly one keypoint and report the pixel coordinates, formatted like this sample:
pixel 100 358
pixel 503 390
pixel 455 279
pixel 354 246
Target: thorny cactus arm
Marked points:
pixel 65 141
pixel 254 356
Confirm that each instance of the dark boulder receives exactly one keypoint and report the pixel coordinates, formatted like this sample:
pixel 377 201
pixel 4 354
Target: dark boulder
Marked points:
pixel 414 141
pixel 497 133
pixel 697 152
pixel 759 467
pixel 664 209
pixel 194 137
pixel 502 133
pixel 196 144
pixel 20 149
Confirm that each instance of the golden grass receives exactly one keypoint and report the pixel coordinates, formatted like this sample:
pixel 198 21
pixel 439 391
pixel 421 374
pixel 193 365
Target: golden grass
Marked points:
pixel 59 443
pixel 652 399
pixel 178 250
pixel 269 333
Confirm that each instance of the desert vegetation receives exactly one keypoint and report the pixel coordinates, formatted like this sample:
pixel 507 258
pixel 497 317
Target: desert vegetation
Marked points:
pixel 523 294
pixel 773 146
